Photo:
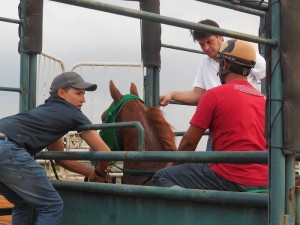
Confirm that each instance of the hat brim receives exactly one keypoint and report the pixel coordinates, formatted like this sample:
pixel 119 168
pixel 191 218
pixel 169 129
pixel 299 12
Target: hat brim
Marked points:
pixel 86 86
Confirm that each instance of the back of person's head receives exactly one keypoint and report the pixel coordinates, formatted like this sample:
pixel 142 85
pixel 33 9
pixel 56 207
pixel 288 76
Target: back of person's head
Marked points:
pixel 202 34
pixel 240 55
pixel 70 79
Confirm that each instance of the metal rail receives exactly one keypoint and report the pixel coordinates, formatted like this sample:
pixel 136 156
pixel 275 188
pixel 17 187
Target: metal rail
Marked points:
pixel 135 124
pixel 166 20
pixel 162 156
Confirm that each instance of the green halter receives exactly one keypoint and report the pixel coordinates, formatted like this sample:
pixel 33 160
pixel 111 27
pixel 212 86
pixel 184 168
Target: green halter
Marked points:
pixel 109 136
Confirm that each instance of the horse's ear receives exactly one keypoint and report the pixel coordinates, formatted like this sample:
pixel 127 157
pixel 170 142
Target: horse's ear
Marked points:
pixel 133 89
pixel 114 92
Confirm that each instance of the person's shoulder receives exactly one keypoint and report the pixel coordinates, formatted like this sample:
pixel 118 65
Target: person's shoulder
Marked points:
pixel 59 103
pixel 215 90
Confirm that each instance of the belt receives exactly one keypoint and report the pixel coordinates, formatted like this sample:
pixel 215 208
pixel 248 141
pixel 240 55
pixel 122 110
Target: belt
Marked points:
pixel 3 137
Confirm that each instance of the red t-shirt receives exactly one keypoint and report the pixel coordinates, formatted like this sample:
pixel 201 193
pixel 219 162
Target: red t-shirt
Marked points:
pixel 235 115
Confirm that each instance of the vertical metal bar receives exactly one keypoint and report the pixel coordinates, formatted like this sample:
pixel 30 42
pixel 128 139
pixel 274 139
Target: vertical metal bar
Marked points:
pixel 32 82
pixel 275 126
pixel 297 192
pixel 149 87
pixel 24 64
pixel 290 202
pixel 262 48
pixel 156 87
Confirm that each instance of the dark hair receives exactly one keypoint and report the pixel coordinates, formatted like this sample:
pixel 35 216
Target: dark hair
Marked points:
pixel 202 34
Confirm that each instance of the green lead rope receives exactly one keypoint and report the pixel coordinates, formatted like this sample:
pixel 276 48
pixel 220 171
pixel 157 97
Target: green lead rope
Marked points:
pixel 133 172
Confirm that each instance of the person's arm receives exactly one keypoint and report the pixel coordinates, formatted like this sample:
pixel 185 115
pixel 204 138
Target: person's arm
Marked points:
pixel 190 96
pixel 191 139
pixel 70 165
pixel 92 138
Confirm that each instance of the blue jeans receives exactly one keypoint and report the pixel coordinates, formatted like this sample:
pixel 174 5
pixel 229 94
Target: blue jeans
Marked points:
pixel 24 183
pixel 196 176
pixel 209 143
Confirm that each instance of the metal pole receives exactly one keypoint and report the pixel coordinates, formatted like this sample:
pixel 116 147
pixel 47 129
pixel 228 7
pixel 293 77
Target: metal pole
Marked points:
pixel 32 82
pixel 10 20
pixel 162 156
pixel 149 83
pixel 275 127
pixel 238 7
pixel 181 48
pixel 135 124
pixel 156 85
pixel 24 63
pixel 165 20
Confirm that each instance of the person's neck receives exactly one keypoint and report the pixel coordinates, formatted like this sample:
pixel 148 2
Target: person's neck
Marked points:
pixel 215 58
pixel 233 77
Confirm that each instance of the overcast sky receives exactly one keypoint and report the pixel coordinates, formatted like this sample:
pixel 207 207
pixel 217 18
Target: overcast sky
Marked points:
pixel 75 34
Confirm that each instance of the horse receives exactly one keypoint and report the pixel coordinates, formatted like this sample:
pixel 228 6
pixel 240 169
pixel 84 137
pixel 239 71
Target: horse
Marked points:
pixel 159 135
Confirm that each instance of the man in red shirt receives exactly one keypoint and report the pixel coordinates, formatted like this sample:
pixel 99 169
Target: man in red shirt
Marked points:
pixel 235 115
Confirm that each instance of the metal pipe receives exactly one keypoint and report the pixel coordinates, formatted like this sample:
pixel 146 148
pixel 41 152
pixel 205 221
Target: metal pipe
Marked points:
pixel 165 20
pixel 181 48
pixel 290 201
pixel 10 20
pixel 297 192
pixel 207 196
pixel 11 89
pixel 24 63
pixel 238 7
pixel 107 64
pixel 62 66
pixel 156 85
pixel 32 82
pixel 149 92
pixel 275 136
pixel 135 124
pixel 162 156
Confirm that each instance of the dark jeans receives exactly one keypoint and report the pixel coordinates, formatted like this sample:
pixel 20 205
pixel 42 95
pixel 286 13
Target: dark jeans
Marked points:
pixel 24 183
pixel 196 176
pixel 209 143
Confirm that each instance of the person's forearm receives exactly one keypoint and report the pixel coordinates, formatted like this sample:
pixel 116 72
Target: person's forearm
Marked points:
pixel 187 97
pixel 186 146
pixel 76 167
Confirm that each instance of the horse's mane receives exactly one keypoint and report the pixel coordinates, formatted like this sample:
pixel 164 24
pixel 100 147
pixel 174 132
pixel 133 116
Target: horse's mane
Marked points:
pixel 162 127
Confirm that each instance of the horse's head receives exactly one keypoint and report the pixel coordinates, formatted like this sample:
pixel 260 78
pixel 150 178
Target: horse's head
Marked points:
pixel 115 93
pixel 117 112
pixel 159 135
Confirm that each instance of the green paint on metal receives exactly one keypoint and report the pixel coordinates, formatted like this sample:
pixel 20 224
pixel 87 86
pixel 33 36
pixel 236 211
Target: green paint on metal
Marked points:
pixel 130 204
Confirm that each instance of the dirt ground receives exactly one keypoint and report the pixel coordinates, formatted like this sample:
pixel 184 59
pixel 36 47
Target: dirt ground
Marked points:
pixel 5 220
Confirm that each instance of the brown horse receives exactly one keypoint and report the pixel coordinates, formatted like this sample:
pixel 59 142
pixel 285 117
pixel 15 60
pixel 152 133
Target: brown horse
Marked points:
pixel 159 135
